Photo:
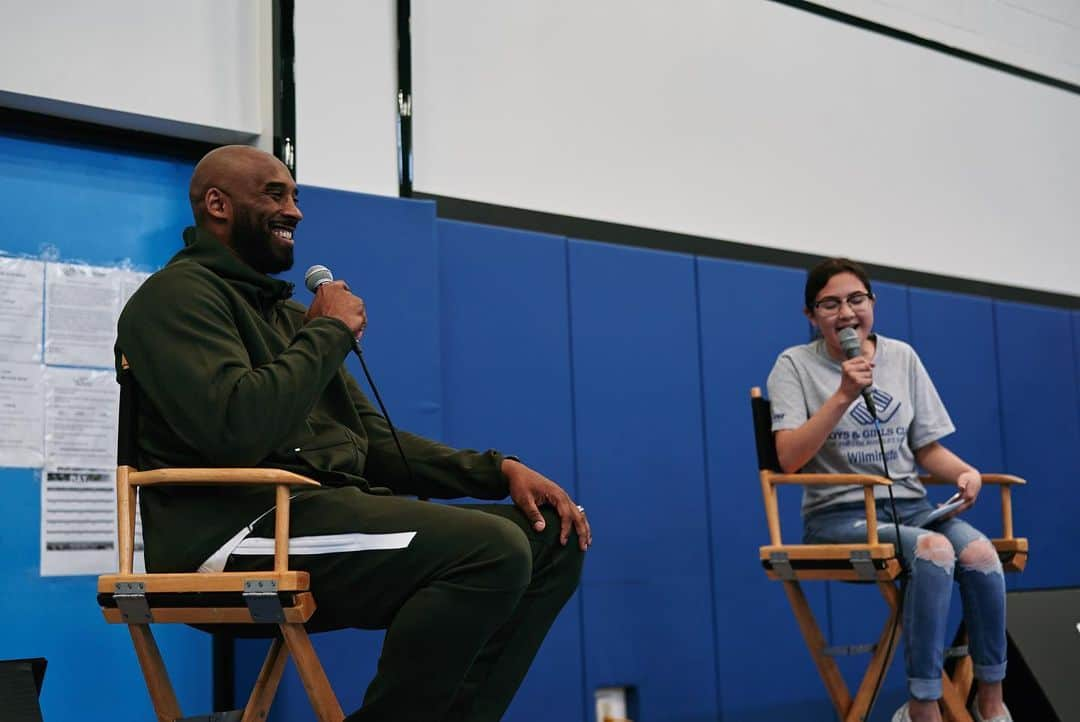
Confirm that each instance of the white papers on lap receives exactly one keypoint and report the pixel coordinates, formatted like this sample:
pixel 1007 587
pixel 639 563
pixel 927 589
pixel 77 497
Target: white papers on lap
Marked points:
pixel 22 282
pixel 82 304
pixel 81 415
pixel 21 414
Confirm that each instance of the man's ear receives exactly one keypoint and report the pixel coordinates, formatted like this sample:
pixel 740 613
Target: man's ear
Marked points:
pixel 217 204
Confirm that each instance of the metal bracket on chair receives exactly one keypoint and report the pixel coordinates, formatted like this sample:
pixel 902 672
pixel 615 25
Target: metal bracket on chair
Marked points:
pixel 849 650
pixel 781 566
pixel 960 650
pixel 863 564
pixel 130 599
pixel 262 601
pixel 231 716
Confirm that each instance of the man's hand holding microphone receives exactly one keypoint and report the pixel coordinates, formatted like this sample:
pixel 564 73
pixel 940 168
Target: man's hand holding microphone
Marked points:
pixel 335 300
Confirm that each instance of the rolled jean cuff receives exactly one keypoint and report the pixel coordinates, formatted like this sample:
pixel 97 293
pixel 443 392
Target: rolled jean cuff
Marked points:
pixel 990 672
pixel 924 690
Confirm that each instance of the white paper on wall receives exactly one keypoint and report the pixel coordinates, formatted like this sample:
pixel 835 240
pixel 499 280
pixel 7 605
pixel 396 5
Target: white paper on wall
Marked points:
pixel 78 522
pixel 22 283
pixel 82 304
pixel 21 414
pixel 129 282
pixel 81 415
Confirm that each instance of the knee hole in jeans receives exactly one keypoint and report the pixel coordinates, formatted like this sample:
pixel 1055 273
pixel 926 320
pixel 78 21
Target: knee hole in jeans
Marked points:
pixel 936 549
pixel 980 556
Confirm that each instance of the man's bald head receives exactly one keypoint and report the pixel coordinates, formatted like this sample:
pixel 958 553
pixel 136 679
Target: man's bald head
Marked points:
pixel 246 198
pixel 226 167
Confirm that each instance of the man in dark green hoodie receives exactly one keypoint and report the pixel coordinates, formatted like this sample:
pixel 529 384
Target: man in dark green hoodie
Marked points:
pixel 235 373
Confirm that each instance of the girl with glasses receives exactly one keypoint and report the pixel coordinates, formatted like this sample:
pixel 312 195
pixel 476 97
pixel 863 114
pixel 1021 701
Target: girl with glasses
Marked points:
pixel 822 424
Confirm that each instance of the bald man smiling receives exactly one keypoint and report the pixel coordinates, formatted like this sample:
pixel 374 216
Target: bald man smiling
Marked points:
pixel 236 373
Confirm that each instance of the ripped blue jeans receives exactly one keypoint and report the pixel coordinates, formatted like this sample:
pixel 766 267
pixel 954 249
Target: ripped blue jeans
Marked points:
pixel 937 562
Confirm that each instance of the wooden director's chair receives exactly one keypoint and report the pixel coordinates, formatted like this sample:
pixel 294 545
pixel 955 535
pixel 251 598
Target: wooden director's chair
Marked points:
pixel 281 597
pixel 873 562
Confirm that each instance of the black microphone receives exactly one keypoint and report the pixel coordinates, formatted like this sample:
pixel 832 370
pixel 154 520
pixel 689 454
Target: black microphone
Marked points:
pixel 317 276
pixel 849 342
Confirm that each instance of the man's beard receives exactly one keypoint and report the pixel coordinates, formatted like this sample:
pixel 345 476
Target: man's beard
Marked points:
pixel 257 247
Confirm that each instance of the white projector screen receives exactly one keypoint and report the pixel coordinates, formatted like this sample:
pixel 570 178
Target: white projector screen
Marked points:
pixel 199 69
pixel 753 122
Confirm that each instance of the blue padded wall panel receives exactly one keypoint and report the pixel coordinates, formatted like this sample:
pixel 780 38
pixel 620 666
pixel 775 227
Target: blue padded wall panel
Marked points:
pixel 386 249
pixel 1042 433
pixel 954 336
pixel 506 384
pixel 891 316
pixel 638 419
pixel 755 628
pixel 1076 349
pixel 93 205
pixel 506 345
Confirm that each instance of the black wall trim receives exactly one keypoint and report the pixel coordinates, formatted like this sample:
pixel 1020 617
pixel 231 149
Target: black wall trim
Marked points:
pixel 404 98
pixel 459 209
pixel 891 32
pixel 284 84
pixel 37 126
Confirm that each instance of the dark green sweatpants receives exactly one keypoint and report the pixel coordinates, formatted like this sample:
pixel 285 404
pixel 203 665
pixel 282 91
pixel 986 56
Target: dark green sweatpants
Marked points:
pixel 466 603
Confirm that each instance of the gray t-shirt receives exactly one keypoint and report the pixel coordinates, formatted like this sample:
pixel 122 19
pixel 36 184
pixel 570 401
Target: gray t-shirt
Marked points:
pixel 909 409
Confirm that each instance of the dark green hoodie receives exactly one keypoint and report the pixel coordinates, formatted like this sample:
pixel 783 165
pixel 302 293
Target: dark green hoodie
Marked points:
pixel 230 374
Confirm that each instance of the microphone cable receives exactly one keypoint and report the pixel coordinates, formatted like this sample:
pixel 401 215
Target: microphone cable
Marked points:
pixel 316 276
pixel 385 413
pixel 851 345
pixel 900 555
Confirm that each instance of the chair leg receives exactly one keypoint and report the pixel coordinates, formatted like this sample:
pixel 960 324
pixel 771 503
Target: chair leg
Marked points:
pixel 952 703
pixel 166 708
pixel 323 700
pixel 815 642
pixel 882 657
pixel 963 672
pixel 262 694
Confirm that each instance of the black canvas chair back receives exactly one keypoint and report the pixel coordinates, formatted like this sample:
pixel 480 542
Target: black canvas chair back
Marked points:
pixel 763 435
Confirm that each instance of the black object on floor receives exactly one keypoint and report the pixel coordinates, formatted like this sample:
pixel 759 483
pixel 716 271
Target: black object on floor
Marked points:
pixel 20 685
pixel 1044 654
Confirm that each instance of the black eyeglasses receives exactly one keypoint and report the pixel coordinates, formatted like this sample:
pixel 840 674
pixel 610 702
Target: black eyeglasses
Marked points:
pixel 856 302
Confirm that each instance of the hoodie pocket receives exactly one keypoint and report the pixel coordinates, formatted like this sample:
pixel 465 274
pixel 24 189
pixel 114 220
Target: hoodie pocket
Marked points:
pixel 332 452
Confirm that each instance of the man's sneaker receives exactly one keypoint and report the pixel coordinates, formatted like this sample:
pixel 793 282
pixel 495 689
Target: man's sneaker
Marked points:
pixel 901 715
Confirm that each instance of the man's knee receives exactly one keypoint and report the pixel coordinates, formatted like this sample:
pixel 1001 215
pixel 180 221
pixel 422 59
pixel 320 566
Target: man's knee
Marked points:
pixel 566 560
pixel 504 551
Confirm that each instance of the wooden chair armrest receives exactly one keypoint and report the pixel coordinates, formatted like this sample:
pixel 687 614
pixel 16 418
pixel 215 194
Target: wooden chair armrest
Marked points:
pixel 770 480
pixel 829 479
pixel 998 479
pixel 179 475
pixel 127 481
pixel 1003 479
